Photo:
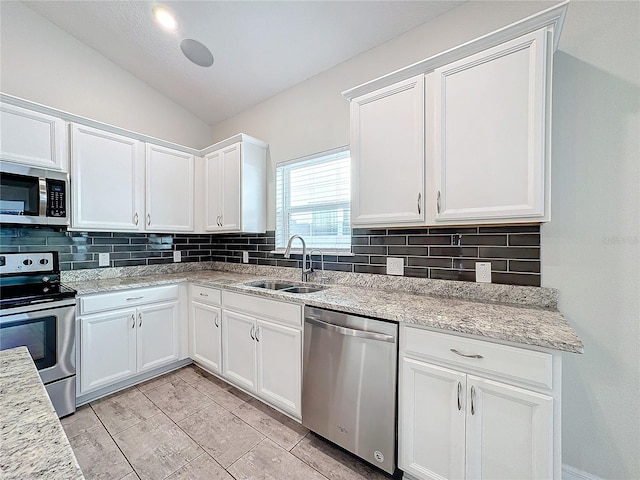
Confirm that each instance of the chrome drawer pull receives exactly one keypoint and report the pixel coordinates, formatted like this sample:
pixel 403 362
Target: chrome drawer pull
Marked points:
pixel 465 355
pixel 204 294
pixel 133 298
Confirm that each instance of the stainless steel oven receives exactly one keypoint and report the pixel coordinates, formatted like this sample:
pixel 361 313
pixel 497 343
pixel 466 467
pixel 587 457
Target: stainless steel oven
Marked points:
pixel 38 312
pixel 33 196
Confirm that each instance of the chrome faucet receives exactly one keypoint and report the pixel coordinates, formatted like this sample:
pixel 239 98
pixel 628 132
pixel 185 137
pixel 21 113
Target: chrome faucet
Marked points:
pixel 287 254
pixel 323 279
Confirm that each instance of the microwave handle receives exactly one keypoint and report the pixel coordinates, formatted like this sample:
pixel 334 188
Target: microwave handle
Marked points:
pixel 42 186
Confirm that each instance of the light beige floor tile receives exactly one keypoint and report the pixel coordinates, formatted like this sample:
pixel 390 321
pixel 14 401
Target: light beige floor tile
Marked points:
pixel 333 463
pixel 157 447
pixel 229 399
pixel 223 435
pixel 156 382
pixel 84 419
pixel 275 425
pixel 193 374
pixel 221 392
pixel 131 476
pixel 124 409
pixel 202 468
pixel 178 399
pixel 98 455
pixel 268 461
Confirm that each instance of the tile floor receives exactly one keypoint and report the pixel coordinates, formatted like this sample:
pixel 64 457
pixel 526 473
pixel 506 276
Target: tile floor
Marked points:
pixel 189 424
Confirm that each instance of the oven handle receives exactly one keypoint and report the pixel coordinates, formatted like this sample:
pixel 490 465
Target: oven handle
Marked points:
pixel 352 332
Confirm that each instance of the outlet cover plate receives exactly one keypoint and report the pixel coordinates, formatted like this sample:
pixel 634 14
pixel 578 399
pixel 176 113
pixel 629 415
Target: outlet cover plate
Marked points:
pixel 395 266
pixel 483 272
pixel 245 257
pixel 177 256
pixel 103 259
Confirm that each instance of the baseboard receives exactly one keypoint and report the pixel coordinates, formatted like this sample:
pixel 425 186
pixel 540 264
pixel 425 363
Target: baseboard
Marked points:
pixel 571 473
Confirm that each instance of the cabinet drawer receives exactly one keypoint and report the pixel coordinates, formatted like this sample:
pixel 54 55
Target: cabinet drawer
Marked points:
pixel 513 363
pixel 281 312
pixel 211 296
pixel 127 298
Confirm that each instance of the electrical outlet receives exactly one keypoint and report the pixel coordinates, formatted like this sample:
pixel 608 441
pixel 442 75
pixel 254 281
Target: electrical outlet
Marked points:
pixel 103 259
pixel 245 257
pixel 483 272
pixel 395 266
pixel 177 256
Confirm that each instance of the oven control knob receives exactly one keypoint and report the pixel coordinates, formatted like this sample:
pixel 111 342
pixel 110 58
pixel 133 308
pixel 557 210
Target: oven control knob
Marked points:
pixel 45 279
pixel 44 261
pixel 27 261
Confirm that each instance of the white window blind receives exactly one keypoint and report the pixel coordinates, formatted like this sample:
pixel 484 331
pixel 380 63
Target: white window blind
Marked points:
pixel 313 196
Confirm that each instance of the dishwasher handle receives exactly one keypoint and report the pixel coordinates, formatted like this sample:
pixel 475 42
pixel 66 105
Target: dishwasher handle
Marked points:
pixel 352 332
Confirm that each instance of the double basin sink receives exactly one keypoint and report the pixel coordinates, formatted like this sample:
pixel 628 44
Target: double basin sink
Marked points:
pixel 288 287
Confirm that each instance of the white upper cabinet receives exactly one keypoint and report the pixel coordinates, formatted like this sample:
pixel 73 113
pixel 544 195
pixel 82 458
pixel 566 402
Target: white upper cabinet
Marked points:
pixel 488 140
pixel 233 190
pixel 107 173
pixel 387 152
pixel 475 141
pixel 169 190
pixel 32 138
pixel 115 187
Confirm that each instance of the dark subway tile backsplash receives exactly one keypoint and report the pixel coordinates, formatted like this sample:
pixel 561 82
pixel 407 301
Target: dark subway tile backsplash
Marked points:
pixel 440 253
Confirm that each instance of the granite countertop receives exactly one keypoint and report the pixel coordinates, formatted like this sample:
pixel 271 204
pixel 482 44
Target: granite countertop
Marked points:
pixel 527 325
pixel 32 441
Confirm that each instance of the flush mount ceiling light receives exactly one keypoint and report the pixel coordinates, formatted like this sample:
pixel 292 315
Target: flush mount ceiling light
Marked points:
pixel 165 18
pixel 196 52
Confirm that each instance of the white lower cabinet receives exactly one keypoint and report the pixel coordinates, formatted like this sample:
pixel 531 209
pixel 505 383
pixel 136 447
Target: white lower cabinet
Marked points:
pixel 205 328
pixel 456 422
pixel 117 343
pixel 262 349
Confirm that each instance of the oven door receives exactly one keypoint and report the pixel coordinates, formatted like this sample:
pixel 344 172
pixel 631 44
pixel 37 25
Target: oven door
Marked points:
pixel 48 331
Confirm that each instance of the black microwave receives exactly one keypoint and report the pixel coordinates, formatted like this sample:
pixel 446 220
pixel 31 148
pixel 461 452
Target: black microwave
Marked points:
pixel 33 196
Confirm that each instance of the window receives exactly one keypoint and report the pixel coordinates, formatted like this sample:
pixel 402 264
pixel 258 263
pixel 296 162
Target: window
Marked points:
pixel 313 196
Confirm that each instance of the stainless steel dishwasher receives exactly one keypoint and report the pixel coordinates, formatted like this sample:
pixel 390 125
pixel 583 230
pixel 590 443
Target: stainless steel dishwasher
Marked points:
pixel 349 383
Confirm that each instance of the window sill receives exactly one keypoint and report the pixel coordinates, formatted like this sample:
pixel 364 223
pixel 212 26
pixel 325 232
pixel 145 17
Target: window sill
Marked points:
pixel 298 251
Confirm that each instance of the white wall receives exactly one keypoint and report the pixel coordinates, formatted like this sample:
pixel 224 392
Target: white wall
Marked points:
pixel 42 63
pixel 594 231
pixel 590 249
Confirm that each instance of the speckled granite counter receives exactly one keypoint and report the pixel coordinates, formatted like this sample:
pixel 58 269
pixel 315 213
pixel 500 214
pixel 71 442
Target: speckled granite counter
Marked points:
pixel 522 324
pixel 32 441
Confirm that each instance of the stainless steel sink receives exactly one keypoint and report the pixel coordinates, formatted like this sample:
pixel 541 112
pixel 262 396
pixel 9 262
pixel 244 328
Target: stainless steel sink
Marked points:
pixel 302 289
pixel 272 285
pixel 289 287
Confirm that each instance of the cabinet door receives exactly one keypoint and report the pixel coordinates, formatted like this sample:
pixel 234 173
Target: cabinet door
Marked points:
pixel 107 181
pixel 205 343
pixel 107 348
pixel 32 138
pixel 158 335
pixel 169 192
pixel 231 172
pixel 387 151
pixel 239 349
pixel 489 133
pixel 431 421
pixel 280 365
pixel 213 168
pixel 509 432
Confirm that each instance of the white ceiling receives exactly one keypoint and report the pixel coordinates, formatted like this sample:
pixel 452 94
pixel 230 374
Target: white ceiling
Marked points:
pixel 260 48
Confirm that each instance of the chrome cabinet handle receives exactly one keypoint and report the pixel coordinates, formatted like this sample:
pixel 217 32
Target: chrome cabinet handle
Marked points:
pixel 438 201
pixel 140 319
pixel 257 331
pixel 218 220
pixel 135 218
pixel 133 298
pixel 419 198
pixel 204 294
pixel 221 219
pixel 466 355
pixel 251 333
pixel 215 321
pixel 459 395
pixel 133 321
pixel 473 398
pixel 148 219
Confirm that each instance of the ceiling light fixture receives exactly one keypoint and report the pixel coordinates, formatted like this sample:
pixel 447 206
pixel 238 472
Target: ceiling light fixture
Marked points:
pixel 165 18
